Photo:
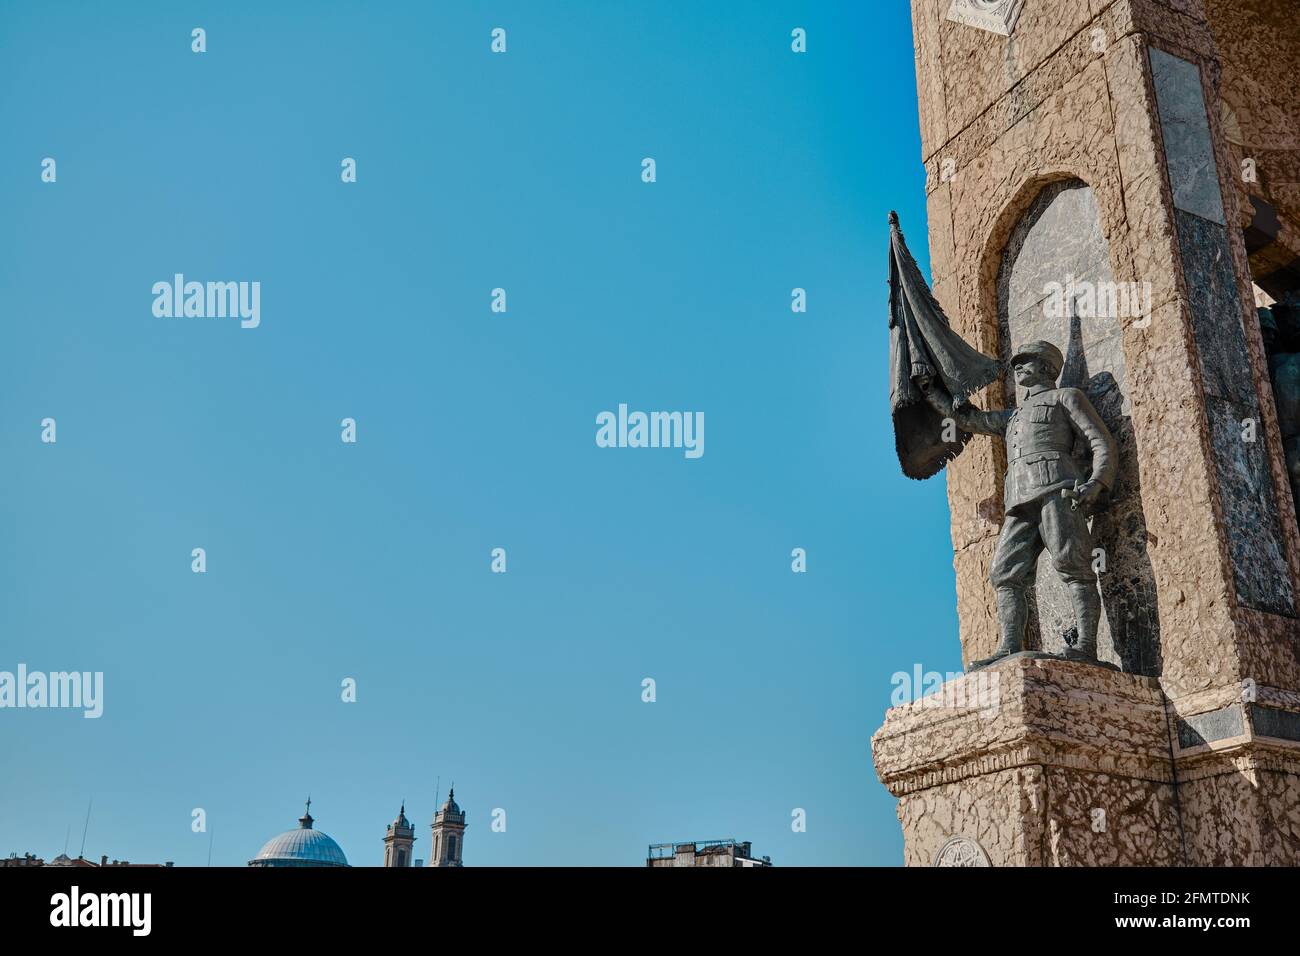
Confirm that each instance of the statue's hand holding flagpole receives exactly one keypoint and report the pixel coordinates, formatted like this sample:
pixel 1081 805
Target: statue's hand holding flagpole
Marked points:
pixel 939 400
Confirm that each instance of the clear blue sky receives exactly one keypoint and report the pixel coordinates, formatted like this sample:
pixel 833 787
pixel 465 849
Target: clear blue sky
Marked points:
pixel 476 430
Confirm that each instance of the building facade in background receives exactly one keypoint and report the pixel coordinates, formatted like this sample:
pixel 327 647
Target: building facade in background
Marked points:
pixel 399 841
pixel 448 834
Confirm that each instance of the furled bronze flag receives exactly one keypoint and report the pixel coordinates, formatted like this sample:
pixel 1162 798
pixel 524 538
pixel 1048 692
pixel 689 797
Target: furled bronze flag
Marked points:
pixel 921 343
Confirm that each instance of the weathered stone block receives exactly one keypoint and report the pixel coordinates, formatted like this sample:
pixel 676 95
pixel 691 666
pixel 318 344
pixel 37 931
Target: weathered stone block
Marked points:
pixel 1041 762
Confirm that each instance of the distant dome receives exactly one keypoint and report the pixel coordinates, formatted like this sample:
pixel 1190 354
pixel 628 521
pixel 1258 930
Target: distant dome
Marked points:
pixel 401 823
pixel 451 805
pixel 301 847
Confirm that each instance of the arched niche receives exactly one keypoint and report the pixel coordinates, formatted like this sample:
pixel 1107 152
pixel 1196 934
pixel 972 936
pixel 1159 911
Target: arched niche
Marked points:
pixel 1055 283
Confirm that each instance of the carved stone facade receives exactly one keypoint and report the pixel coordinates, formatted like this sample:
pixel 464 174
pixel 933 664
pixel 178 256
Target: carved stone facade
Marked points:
pixel 997 16
pixel 961 851
pixel 1153 145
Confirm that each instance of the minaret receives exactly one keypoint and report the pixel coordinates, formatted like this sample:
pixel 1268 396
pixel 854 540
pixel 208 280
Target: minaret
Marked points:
pixel 448 833
pixel 398 840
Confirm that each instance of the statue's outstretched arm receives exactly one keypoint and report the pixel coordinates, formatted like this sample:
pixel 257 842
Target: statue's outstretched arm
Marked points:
pixel 967 416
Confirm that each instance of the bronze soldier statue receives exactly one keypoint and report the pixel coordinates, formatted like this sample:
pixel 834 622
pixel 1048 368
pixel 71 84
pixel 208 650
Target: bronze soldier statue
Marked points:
pixel 1048 499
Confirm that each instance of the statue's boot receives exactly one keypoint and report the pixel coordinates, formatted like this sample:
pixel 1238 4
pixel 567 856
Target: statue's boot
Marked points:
pixel 1013 611
pixel 1087 614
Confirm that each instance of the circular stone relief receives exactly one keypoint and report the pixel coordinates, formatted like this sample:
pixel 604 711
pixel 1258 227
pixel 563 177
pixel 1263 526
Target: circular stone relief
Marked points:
pixel 961 851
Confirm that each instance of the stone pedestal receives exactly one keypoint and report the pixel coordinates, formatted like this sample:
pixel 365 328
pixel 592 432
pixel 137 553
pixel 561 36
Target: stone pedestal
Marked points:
pixel 1037 762
pixel 1040 762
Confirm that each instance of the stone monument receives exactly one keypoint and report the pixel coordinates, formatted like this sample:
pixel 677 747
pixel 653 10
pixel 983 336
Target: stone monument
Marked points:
pixel 1121 180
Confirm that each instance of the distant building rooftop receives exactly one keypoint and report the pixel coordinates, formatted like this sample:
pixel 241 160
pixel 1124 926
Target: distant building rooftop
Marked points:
pixel 705 853
pixel 28 859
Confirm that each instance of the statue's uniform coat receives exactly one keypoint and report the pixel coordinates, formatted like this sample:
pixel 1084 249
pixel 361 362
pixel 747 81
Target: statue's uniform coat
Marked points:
pixel 1041 435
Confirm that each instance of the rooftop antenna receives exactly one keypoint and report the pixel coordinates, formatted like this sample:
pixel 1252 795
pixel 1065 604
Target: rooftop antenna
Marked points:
pixel 437 792
pixel 210 836
pixel 82 853
pixel 66 837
